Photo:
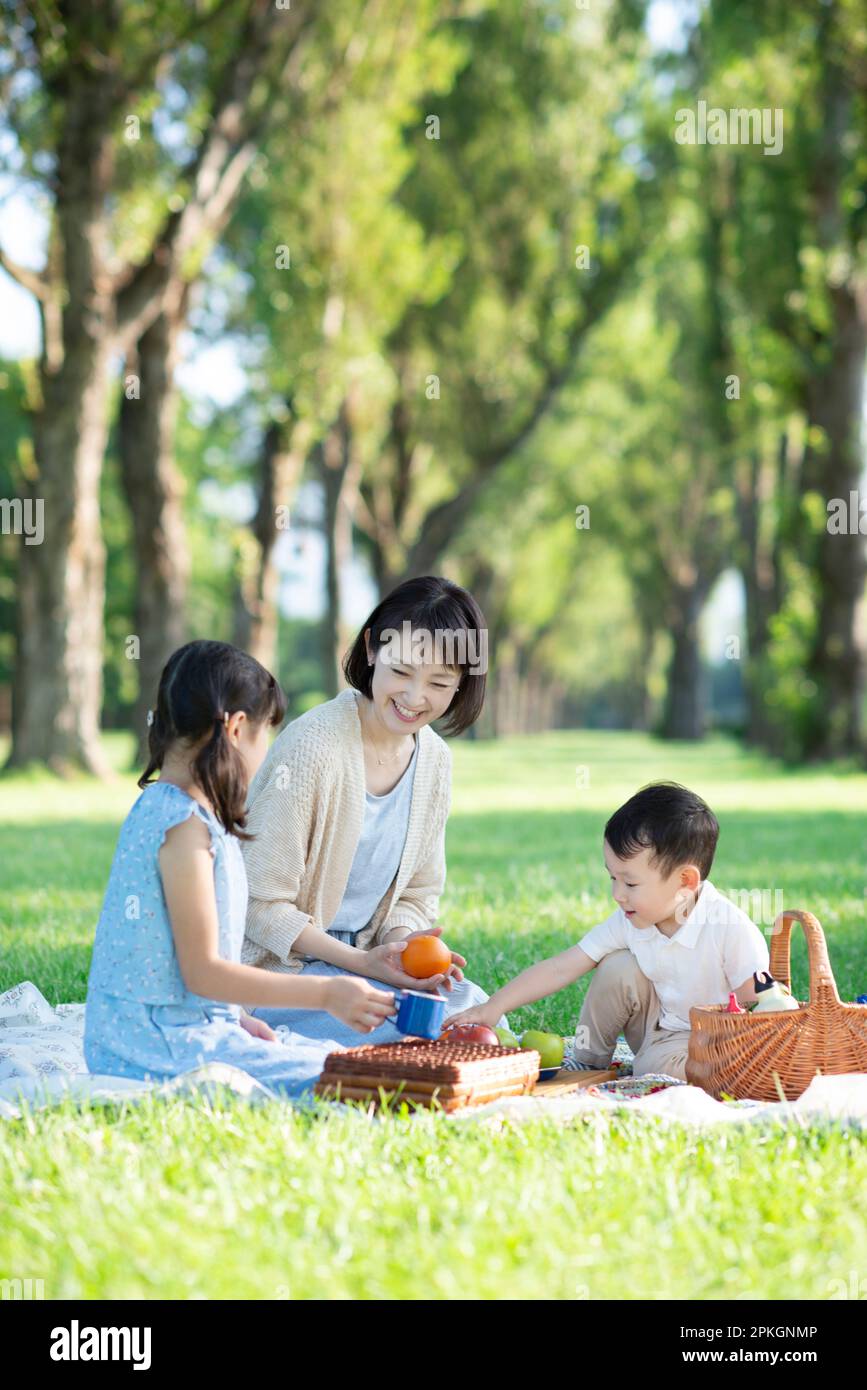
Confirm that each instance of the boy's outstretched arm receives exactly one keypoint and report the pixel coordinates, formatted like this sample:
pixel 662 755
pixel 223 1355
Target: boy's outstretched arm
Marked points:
pixel 536 982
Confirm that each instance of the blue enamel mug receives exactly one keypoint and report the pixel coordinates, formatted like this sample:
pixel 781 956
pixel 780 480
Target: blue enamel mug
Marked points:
pixel 419 1015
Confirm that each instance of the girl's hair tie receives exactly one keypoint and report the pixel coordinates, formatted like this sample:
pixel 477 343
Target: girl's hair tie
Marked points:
pixel 150 717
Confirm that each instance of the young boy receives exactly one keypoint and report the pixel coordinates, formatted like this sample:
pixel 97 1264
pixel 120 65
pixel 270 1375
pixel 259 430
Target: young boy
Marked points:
pixel 673 941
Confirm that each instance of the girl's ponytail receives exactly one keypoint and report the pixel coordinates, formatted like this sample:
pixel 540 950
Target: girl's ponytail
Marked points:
pixel 220 772
pixel 202 684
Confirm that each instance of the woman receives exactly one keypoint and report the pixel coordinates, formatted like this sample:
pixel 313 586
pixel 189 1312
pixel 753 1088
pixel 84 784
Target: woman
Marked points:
pixel 349 809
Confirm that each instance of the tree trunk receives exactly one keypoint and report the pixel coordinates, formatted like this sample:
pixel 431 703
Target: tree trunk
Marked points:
pixel 256 608
pixel 506 695
pixel 57 691
pixel 762 492
pixel 154 492
pixel 835 401
pixel 387 493
pixel 648 619
pixel 339 470
pixel 684 714
pixel 89 310
pixel 835 665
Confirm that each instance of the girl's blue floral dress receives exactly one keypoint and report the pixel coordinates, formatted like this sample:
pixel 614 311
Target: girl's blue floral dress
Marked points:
pixel 141 1021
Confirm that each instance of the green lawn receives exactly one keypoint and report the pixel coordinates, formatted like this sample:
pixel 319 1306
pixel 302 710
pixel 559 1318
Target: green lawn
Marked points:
pixel 197 1200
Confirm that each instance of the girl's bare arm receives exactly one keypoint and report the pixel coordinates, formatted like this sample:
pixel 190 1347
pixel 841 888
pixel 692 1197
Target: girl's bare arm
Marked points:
pixel 187 870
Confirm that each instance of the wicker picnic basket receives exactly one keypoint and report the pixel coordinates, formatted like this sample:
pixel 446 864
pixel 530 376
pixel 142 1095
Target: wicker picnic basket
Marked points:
pixel 769 1056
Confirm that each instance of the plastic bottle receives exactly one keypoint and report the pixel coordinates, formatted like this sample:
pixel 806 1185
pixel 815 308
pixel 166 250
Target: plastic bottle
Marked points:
pixel 774 996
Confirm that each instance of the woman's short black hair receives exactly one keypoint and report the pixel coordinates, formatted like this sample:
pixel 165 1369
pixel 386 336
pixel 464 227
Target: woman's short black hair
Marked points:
pixel 669 819
pixel 457 625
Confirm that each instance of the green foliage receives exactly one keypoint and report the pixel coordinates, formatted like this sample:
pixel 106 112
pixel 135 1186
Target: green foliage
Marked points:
pixel 793 243
pixel 413 260
pixel 529 165
pixel 299 666
pixel 324 189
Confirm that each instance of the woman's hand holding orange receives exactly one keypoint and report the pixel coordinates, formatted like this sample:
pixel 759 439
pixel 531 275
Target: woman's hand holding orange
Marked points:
pixel 383 963
pixel 428 956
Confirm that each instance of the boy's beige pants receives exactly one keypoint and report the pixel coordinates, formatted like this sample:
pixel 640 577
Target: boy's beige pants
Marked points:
pixel 621 999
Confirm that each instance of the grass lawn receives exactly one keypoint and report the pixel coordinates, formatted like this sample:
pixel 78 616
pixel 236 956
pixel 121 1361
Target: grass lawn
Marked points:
pixel 184 1199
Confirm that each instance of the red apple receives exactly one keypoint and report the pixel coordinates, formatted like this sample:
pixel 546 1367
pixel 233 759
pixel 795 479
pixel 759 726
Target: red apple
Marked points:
pixel 470 1032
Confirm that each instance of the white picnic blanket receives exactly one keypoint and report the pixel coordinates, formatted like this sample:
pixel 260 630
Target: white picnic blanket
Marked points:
pixel 838 1098
pixel 42 1060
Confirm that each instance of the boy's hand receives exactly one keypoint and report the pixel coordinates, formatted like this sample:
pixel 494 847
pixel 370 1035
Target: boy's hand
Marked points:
pixel 257 1027
pixel 478 1014
pixel 746 993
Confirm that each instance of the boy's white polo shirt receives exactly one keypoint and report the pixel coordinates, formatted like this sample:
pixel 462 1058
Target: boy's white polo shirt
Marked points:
pixel 716 949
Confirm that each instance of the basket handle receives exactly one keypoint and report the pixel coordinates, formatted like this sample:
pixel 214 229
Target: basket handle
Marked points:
pixel 822 982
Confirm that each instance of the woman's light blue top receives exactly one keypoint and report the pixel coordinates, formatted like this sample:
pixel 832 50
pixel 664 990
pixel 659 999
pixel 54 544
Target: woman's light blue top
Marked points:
pixel 134 952
pixel 377 855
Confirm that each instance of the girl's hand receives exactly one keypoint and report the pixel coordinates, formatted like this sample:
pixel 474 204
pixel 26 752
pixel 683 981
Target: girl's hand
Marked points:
pixel 358 1004
pixel 257 1027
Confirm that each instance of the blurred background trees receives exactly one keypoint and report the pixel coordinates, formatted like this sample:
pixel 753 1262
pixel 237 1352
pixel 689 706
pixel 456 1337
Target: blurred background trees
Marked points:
pixel 331 296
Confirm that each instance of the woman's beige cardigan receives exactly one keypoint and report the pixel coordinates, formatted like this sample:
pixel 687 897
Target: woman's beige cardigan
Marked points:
pixel 306 810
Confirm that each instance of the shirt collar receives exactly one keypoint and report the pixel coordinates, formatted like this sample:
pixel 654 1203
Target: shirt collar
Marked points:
pixel 688 933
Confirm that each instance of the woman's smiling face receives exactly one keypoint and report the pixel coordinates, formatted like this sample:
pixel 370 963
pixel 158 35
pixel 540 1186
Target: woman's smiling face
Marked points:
pixel 408 693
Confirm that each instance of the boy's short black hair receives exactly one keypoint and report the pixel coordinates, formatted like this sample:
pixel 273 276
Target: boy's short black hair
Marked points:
pixel 669 819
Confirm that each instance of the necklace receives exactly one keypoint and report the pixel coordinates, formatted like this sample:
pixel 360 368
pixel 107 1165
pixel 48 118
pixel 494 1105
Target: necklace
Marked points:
pixel 382 761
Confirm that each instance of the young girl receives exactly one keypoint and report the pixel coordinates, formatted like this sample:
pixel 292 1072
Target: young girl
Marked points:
pixel 166 981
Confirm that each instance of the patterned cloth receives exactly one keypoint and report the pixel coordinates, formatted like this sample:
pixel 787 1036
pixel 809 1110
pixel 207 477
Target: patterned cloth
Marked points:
pixel 635 1087
pixel 621 1061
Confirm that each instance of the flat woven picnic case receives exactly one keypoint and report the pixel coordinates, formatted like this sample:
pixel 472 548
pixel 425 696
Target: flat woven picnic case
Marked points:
pixel 744 1055
pixel 450 1075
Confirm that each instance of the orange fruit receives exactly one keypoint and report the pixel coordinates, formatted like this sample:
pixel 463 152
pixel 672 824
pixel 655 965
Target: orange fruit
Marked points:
pixel 425 956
